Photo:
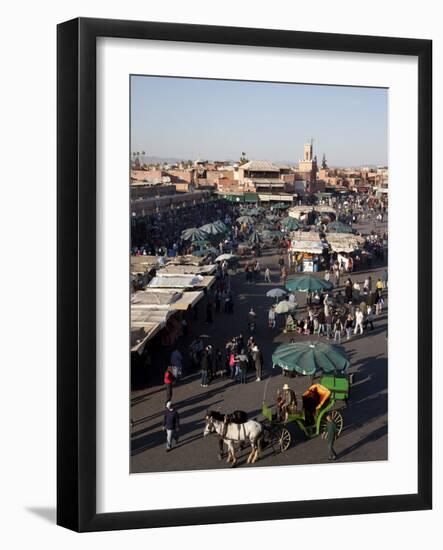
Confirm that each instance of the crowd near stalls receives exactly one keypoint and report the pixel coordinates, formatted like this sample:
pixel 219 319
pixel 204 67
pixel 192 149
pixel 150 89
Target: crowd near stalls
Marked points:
pixel 182 264
pixel 327 239
pixel 160 233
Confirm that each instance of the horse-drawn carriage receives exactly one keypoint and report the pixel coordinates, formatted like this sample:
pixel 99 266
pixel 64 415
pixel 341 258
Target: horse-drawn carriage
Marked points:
pixel 319 401
pixel 311 418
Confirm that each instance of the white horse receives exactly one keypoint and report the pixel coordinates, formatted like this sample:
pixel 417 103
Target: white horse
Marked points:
pixel 251 431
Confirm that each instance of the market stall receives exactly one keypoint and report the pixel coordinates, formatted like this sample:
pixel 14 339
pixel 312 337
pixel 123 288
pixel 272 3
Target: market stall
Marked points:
pixel 305 254
pixel 186 269
pixel 166 299
pixel 146 323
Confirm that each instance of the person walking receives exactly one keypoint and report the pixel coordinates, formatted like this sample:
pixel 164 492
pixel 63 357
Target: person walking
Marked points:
pixel 271 317
pixel 379 304
pixel 243 366
pixel 177 363
pixel 358 321
pixel 348 291
pixel 321 321
pixel 218 364
pixel 204 364
pixel 366 286
pixel 337 274
pixel 257 270
pixel 330 434
pixel 231 365
pixel 284 275
pixel 267 275
pixel 328 322
pixel 171 424
pixel 338 327
pixel 348 326
pixel 384 279
pixel 168 380
pixel 379 285
pixel 211 363
pixel 257 357
pixel 369 318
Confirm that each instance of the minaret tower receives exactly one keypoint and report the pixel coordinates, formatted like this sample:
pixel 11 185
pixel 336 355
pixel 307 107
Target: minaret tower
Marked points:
pixel 323 162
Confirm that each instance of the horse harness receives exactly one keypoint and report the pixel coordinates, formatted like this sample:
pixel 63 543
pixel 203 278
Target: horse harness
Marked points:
pixel 237 417
pixel 226 423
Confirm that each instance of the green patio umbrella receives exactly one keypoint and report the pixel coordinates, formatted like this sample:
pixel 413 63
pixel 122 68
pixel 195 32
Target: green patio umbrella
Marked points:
pixel 309 357
pixel 280 206
pixel 223 227
pixel 202 243
pixel 245 219
pixel 212 229
pixel 291 224
pixel 338 227
pixel 264 224
pixel 193 234
pixel 269 234
pixel 307 283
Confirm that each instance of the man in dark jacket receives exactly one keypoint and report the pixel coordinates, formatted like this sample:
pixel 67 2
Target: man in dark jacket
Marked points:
pixel 330 434
pixel 205 366
pixel 171 425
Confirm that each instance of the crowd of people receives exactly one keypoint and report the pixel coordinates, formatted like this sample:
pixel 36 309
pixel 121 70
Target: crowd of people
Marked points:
pixel 234 361
pixel 335 315
pixel 159 233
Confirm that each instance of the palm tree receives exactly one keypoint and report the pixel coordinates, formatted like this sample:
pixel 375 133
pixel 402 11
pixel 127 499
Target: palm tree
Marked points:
pixel 243 159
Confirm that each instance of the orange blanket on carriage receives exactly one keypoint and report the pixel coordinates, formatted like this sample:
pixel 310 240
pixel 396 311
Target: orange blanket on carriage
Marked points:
pixel 315 397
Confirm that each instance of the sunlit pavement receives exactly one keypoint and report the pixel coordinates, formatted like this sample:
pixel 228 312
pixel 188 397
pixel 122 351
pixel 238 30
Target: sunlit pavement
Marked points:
pixel 364 436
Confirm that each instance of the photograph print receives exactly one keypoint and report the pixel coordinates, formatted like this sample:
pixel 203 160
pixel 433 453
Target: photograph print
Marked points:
pixel 258 274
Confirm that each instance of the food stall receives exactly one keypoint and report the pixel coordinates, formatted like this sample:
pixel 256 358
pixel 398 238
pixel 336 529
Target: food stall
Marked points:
pixel 305 254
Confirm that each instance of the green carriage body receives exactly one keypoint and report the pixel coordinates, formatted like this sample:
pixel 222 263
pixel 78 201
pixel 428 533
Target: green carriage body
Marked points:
pixel 339 388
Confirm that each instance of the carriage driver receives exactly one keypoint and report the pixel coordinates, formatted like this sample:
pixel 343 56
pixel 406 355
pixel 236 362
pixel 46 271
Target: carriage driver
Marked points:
pixel 286 402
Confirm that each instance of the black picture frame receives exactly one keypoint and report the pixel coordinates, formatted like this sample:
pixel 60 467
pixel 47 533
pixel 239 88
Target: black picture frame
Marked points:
pixel 76 279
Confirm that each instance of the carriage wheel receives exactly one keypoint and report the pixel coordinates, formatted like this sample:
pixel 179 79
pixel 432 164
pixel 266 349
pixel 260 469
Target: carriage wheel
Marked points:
pixel 282 438
pixel 337 418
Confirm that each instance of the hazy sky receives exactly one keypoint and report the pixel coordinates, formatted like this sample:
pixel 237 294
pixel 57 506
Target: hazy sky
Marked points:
pixel 218 119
